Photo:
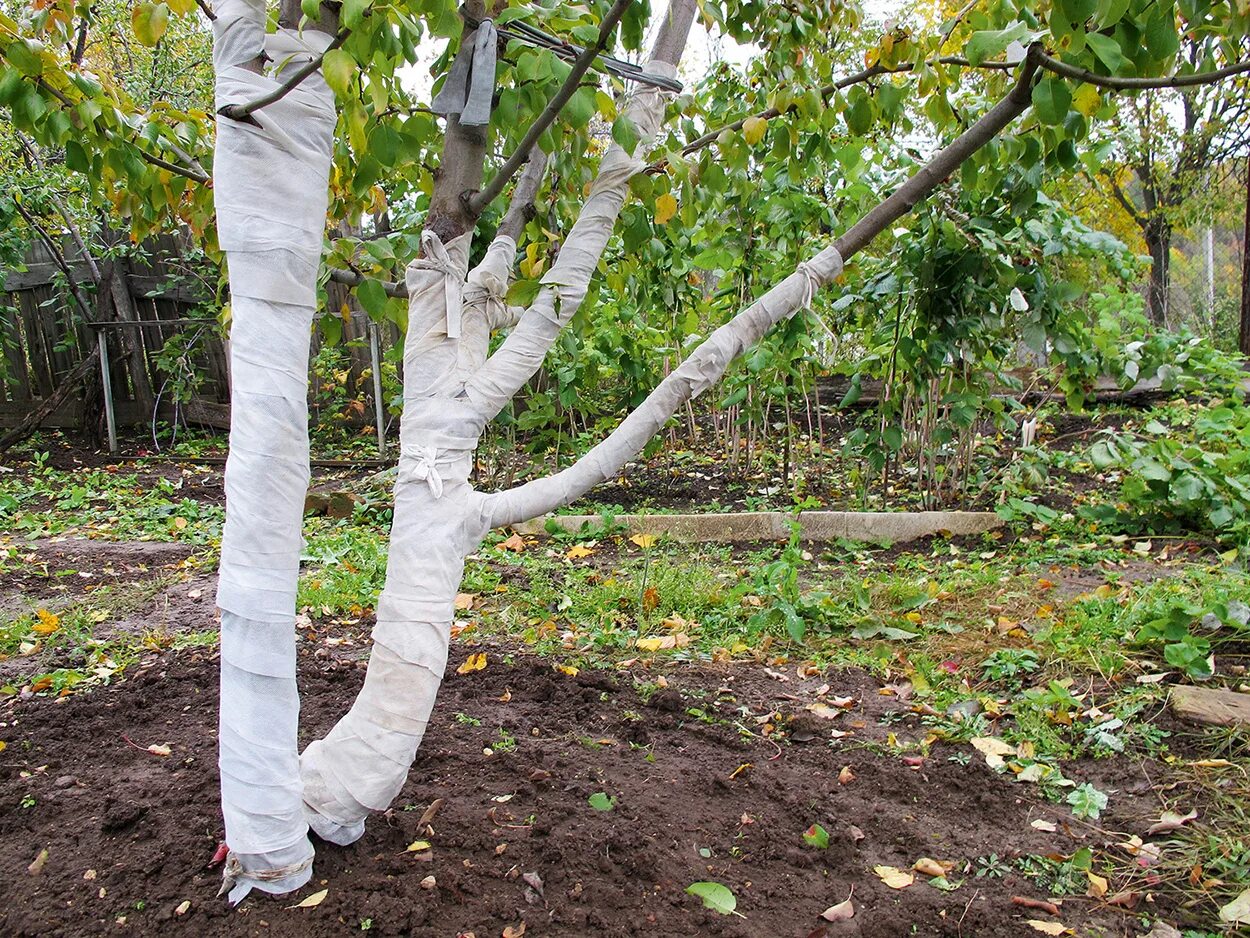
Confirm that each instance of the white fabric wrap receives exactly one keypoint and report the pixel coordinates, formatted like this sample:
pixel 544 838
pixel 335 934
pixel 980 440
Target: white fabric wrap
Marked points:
pixel 363 762
pixel 271 183
pixel 566 283
pixel 703 368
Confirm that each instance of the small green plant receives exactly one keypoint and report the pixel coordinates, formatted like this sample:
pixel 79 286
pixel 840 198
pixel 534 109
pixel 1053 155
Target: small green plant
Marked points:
pixel 600 801
pixel 1010 664
pixel 1087 801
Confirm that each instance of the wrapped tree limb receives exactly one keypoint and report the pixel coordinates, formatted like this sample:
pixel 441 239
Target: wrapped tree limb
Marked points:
pixel 707 364
pixel 362 763
pixel 271 179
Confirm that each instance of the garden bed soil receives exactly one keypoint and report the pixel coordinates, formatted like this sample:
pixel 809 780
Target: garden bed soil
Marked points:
pixel 129 835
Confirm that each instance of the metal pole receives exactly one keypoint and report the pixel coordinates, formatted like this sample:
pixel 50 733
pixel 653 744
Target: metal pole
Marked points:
pixel 107 381
pixel 379 411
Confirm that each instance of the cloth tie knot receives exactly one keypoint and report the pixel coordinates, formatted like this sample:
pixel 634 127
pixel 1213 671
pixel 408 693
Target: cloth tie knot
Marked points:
pixel 424 466
pixel 435 257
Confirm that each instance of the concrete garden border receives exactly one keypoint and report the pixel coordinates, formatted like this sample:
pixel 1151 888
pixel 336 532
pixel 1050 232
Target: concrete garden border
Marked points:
pixel 892 526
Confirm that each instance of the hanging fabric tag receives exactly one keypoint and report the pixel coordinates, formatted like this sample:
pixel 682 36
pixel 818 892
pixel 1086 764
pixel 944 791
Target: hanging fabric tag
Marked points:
pixel 470 86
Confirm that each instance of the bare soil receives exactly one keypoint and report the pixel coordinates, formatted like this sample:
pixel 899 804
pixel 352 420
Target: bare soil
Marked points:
pixel 129 835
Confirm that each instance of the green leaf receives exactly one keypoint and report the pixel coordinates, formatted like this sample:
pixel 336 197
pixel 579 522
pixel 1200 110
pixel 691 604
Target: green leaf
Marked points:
pixel 580 108
pixel 625 134
pixel 338 67
pixel 150 20
pixel 1087 801
pixel 372 297
pixel 1107 50
pixel 1051 99
pixel 601 802
pixel 1110 12
pixel 25 54
pixel 988 43
pixel 816 836
pixel 715 896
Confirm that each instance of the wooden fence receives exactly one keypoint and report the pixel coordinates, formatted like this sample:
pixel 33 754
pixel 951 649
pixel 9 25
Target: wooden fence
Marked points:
pixel 45 335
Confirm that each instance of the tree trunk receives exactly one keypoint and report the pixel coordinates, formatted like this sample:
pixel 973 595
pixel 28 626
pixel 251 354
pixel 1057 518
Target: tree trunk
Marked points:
pixel 1158 236
pixel 1244 337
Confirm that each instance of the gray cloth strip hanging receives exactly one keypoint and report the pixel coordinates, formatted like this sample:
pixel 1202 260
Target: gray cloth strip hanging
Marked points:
pixel 470 86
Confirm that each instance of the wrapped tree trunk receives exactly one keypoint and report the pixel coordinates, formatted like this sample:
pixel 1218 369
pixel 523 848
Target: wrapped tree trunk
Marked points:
pixel 271 185
pixel 362 763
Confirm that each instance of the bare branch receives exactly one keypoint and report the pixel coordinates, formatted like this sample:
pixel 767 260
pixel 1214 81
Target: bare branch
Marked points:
pixel 826 92
pixel 1052 64
pixel 242 112
pixel 581 66
pixel 521 209
pixel 354 278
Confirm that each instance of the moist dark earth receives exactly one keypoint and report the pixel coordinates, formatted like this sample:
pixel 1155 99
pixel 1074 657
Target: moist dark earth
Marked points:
pixel 512 755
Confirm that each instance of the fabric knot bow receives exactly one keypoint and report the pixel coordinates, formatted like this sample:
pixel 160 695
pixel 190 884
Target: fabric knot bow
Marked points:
pixel 435 257
pixel 424 466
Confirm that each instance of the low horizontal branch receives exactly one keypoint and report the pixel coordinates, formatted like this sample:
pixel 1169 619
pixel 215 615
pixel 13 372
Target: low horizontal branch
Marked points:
pixel 354 278
pixel 243 111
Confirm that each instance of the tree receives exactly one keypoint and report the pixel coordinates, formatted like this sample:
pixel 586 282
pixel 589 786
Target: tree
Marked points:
pixel 1172 162
pixel 313 118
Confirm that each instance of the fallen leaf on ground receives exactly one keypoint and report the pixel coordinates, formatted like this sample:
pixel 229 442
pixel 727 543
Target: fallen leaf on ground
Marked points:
pixel 36 866
pixel 1097 885
pixel 1237 912
pixel 893 877
pixel 714 896
pixel 663 642
pixel 161 750
pixel 1170 821
pixel 514 931
pixel 475 662
pixel 644 541
pixel 841 912
pixel 312 901
pixel 429 882
pixel 465 600
pixel 846 776
pixel 48 622
pixel 183 907
pixel 578 551
pixel 514 543
pixel 428 814
pixel 418 846
pixel 1043 825
pixel 931 867
pixel 994 749
pixel 1047 928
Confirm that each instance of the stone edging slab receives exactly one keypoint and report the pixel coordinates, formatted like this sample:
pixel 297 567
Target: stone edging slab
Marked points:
pixel 892 526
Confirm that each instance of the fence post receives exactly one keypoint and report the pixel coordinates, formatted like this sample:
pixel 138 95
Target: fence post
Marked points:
pixel 379 410
pixel 107 382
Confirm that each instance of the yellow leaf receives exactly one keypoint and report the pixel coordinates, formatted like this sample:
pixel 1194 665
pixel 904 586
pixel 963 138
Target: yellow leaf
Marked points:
pixel 475 662
pixel 312 901
pixel 578 551
pixel 644 540
pixel 418 846
pixel 345 314
pixel 753 129
pixel 1087 100
pixel 566 669
pixel 913 617
pixel 665 208
pixel 1047 928
pixel 894 877
pixel 514 543
pixel 931 867
pixel 48 622
pixel 3 745
pixel 465 600
pixel 663 642
pixel 994 749
pixel 1097 885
